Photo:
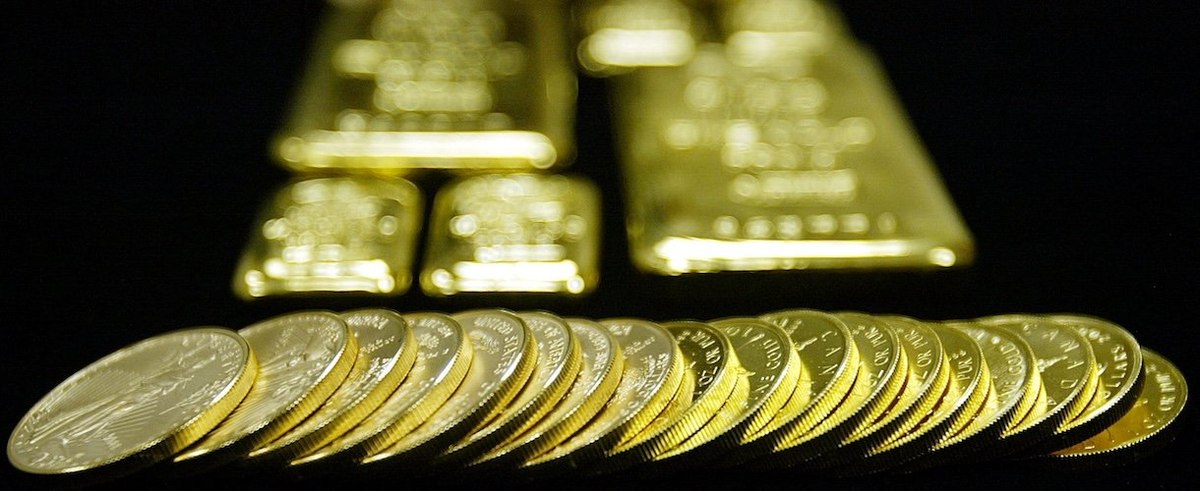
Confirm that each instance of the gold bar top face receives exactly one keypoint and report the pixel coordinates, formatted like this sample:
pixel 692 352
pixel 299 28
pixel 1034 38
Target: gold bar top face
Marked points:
pixel 618 35
pixel 783 166
pixel 326 235
pixel 443 84
pixel 513 233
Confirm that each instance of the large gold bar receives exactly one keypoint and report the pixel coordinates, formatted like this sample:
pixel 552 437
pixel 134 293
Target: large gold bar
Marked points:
pixel 328 235
pixel 807 163
pixel 448 84
pixel 513 233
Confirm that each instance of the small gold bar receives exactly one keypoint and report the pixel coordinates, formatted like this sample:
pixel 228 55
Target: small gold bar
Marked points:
pixel 398 85
pixel 808 163
pixel 513 233
pixel 333 234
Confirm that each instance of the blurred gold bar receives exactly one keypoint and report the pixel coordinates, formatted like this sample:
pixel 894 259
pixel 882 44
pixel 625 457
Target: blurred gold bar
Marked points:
pixel 513 233
pixel 794 165
pixel 324 235
pixel 775 33
pixel 619 35
pixel 398 85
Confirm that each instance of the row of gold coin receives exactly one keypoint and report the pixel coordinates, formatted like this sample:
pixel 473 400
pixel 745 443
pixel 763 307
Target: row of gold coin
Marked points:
pixel 533 393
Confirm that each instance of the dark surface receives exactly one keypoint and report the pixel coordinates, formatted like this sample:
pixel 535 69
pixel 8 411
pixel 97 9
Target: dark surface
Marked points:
pixel 135 156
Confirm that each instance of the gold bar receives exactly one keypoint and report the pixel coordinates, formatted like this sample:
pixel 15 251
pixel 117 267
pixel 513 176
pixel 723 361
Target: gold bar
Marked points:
pixel 399 85
pixel 616 36
pixel 326 235
pixel 513 233
pixel 808 163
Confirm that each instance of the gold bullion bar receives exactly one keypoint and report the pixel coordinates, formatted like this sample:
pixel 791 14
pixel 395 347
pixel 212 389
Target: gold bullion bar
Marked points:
pixel 303 357
pixel 602 363
pixel 333 234
pixel 616 36
pixel 709 356
pixel 137 406
pixel 386 352
pixel 826 344
pixel 799 168
pixel 1147 425
pixel 774 33
pixel 556 367
pixel 1119 364
pixel 444 354
pixel 505 355
pixel 453 84
pixel 514 233
pixel 1068 369
pixel 654 373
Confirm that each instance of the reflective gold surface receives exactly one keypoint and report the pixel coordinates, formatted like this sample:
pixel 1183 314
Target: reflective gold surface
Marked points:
pixel 514 233
pixel 619 35
pixel 303 357
pixel 1159 403
pixel 802 167
pixel 1119 365
pixel 334 234
pixel 386 352
pixel 414 84
pixel 654 370
pixel 136 406
pixel 505 353
pixel 444 354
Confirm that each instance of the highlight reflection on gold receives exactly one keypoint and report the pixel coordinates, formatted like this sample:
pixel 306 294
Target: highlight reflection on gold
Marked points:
pixel 339 234
pixel 452 84
pixel 513 233
pixel 801 163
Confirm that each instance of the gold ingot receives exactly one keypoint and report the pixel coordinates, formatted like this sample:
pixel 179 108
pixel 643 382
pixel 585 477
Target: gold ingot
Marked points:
pixel 303 357
pixel 386 352
pixel 826 345
pixel 617 36
pixel 1069 374
pixel 557 365
pixel 599 373
pixel 777 33
pixel 1148 423
pixel 883 372
pixel 710 358
pixel 432 84
pixel 1119 365
pixel 514 233
pixel 654 373
pixel 334 234
pixel 812 168
pixel 444 354
pixel 505 353
pixel 970 386
pixel 137 406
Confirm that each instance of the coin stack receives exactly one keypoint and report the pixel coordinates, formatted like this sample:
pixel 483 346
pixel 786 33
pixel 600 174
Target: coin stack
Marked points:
pixel 376 392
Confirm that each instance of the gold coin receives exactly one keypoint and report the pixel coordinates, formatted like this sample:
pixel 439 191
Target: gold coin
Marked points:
pixel 555 370
pixel 926 380
pixel 969 387
pixel 386 352
pixel 884 370
pixel 709 356
pixel 1068 370
pixel 443 357
pixel 1119 364
pixel 772 369
pixel 1148 423
pixel 303 357
pixel 505 353
pixel 600 371
pixel 1016 385
pixel 136 406
pixel 824 342
pixel 654 371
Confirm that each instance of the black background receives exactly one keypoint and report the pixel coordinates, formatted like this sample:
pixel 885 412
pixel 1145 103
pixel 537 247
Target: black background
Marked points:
pixel 134 156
